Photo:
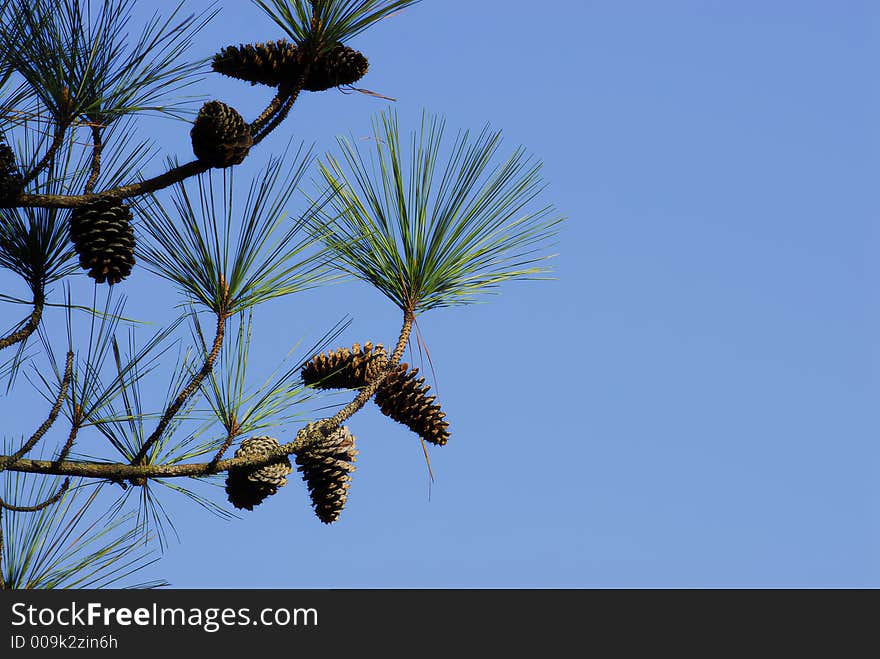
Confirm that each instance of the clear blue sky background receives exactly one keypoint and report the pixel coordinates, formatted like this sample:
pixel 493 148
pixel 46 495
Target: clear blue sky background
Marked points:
pixel 693 402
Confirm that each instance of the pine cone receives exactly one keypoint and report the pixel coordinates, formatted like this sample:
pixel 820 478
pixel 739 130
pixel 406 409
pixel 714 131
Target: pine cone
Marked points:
pixel 404 398
pixel 341 66
pixel 280 62
pixel 103 236
pixel 10 176
pixel 271 63
pixel 326 468
pixel 344 368
pixel 220 137
pixel 248 487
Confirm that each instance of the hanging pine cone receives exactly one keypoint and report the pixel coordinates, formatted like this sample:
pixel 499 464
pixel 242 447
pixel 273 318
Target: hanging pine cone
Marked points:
pixel 344 368
pixel 404 398
pixel 103 236
pixel 248 487
pixel 326 467
pixel 220 137
pixel 341 66
pixel 269 63
pixel 10 176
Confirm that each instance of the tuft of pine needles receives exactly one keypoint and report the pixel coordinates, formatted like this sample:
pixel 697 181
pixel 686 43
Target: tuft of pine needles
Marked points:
pixel 435 223
pixel 326 23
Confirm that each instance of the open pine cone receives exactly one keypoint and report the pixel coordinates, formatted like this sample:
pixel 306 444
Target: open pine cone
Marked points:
pixel 344 368
pixel 249 487
pixel 326 467
pixel 404 397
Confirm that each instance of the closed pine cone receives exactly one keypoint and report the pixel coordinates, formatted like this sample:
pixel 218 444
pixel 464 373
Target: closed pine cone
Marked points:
pixel 220 136
pixel 404 397
pixel 103 236
pixel 326 467
pixel 269 63
pixel 248 487
pixel 341 66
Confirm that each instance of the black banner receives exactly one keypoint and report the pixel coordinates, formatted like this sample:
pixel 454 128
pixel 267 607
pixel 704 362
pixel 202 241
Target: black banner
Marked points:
pixel 340 622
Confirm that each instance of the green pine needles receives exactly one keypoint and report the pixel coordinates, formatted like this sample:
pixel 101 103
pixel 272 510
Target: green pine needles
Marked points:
pixel 325 23
pixel 435 222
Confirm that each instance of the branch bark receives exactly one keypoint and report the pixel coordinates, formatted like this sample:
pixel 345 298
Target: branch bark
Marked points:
pixel 97 149
pixel 53 414
pixel 115 471
pixel 57 139
pixel 186 392
pixel 31 323
pixel 367 392
pixel 55 498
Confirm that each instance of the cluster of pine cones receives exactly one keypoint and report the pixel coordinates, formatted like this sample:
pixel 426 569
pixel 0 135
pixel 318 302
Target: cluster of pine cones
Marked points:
pixel 402 396
pixel 281 63
pixel 325 464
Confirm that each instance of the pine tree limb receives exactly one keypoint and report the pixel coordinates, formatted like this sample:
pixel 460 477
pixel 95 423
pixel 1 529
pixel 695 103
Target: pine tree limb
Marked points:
pixel 193 385
pixel 53 414
pixel 55 498
pixel 30 324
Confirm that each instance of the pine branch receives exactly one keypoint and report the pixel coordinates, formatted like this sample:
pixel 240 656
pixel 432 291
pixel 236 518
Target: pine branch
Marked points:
pixel 2 579
pixel 53 414
pixel 30 324
pixel 123 471
pixel 97 148
pixel 367 392
pixel 193 385
pixel 57 140
pixel 55 498
pixel 160 182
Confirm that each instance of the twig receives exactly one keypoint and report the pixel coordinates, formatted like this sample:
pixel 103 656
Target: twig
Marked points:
pixel 57 140
pixel 367 392
pixel 53 414
pixel 40 506
pixel 71 438
pixel 97 148
pixel 116 471
pixel 234 431
pixel 274 106
pixel 30 324
pixel 188 391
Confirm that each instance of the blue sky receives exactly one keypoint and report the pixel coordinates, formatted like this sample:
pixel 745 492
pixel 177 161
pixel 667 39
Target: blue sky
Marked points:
pixel 693 401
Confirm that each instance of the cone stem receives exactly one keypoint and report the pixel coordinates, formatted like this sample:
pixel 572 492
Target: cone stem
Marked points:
pixel 97 148
pixel 367 392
